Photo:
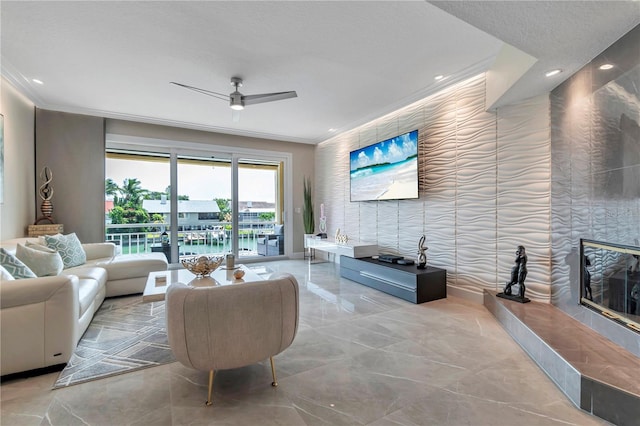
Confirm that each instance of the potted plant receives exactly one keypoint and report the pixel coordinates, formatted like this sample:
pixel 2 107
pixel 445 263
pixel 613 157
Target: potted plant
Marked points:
pixel 307 210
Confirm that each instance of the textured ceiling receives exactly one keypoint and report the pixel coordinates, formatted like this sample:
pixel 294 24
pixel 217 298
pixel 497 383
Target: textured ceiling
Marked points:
pixel 349 62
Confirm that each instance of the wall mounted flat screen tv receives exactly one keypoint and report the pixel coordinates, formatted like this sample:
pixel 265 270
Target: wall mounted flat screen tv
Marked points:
pixel 387 170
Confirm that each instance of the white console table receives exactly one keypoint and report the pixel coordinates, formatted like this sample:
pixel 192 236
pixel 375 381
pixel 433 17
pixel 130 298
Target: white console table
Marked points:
pixel 352 249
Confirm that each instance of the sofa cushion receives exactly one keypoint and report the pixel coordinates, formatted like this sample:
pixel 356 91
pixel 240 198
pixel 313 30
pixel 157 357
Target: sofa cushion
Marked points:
pixel 127 266
pixel 90 281
pixel 41 260
pixel 69 247
pixel 14 266
pixel 85 272
pixel 87 291
pixel 5 275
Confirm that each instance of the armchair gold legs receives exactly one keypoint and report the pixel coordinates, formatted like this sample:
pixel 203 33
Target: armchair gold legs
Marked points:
pixel 273 373
pixel 212 374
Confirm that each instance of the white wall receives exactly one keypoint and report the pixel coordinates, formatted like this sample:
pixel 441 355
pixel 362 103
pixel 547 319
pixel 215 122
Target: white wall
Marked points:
pixel 484 189
pixel 18 209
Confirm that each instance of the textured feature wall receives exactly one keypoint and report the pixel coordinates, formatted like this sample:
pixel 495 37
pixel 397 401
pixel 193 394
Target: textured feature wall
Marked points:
pixel 524 189
pixel 484 188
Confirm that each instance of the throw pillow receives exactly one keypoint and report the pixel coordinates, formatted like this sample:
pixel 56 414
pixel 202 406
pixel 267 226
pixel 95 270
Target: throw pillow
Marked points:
pixel 41 260
pixel 69 247
pixel 14 266
pixel 5 275
pixel 43 241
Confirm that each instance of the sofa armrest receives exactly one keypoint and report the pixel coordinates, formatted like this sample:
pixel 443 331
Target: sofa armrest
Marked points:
pixel 36 290
pixel 99 250
pixel 39 322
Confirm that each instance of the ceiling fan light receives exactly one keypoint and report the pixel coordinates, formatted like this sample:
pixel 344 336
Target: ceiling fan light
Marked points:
pixel 236 101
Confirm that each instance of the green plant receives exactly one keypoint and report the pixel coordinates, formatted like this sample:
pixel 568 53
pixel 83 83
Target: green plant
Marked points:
pixel 307 210
pixel 267 216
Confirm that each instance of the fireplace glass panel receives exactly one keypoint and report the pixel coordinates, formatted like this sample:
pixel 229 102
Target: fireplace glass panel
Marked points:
pixel 610 281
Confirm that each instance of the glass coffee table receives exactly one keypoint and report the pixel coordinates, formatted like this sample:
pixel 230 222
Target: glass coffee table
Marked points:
pixel 158 282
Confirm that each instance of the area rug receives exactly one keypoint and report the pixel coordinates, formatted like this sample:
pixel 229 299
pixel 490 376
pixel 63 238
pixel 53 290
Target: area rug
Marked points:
pixel 125 335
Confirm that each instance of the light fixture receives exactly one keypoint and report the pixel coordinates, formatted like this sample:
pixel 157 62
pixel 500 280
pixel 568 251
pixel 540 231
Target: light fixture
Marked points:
pixel 332 130
pixel 606 66
pixel 35 80
pixel 438 77
pixel 236 101
pixel 553 72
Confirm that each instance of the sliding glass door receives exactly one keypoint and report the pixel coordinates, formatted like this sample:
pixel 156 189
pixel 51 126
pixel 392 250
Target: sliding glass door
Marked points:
pixel 205 214
pixel 137 215
pixel 260 208
pixel 186 203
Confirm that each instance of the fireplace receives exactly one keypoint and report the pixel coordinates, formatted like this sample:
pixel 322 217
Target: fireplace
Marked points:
pixel 610 281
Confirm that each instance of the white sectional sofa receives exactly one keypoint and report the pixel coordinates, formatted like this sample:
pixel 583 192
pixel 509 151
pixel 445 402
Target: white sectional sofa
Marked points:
pixel 42 319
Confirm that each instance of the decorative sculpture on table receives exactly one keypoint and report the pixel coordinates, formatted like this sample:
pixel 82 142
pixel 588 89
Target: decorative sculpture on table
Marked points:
pixel 323 223
pixel 422 256
pixel 518 275
pixel 46 193
pixel 202 266
pixel 341 238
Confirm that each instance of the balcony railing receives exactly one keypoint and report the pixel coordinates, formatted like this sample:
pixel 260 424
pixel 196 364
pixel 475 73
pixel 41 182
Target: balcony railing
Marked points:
pixel 212 240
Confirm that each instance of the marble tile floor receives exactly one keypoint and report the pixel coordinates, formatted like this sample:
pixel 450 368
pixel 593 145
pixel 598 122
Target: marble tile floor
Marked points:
pixel 361 357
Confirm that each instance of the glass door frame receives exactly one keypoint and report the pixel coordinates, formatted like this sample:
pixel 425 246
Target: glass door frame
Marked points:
pixel 175 148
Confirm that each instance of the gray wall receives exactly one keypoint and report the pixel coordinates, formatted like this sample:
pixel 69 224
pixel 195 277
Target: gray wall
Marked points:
pixel 484 189
pixel 17 210
pixel 596 171
pixel 72 146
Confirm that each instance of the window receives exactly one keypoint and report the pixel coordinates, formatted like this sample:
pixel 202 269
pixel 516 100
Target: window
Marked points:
pixel 208 189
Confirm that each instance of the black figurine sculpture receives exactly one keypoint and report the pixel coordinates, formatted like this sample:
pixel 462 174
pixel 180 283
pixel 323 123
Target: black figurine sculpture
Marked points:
pixel 422 256
pixel 586 279
pixel 518 275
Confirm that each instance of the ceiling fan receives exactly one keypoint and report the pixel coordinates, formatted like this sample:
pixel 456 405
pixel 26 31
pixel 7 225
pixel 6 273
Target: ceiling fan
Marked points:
pixel 237 100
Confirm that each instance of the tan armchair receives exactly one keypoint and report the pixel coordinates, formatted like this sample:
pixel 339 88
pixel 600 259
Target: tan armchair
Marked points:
pixel 231 326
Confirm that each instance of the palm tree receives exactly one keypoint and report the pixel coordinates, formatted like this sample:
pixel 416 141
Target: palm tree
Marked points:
pixel 132 193
pixel 112 189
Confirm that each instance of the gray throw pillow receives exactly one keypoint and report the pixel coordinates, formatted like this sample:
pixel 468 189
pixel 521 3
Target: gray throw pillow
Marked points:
pixel 69 247
pixel 14 266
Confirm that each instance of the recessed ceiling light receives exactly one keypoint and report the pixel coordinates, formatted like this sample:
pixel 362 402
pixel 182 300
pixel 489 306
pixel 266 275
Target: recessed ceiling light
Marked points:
pixel 35 80
pixel 438 77
pixel 332 130
pixel 553 72
pixel 605 66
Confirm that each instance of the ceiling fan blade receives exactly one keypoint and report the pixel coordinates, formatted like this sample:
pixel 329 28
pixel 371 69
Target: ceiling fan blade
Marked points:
pixel 268 97
pixel 235 115
pixel 203 91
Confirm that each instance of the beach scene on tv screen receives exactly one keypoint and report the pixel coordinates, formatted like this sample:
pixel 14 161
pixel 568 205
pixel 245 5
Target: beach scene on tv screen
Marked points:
pixel 387 170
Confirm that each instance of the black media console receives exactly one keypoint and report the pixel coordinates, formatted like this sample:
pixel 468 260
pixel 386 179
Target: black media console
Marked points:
pixel 404 281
